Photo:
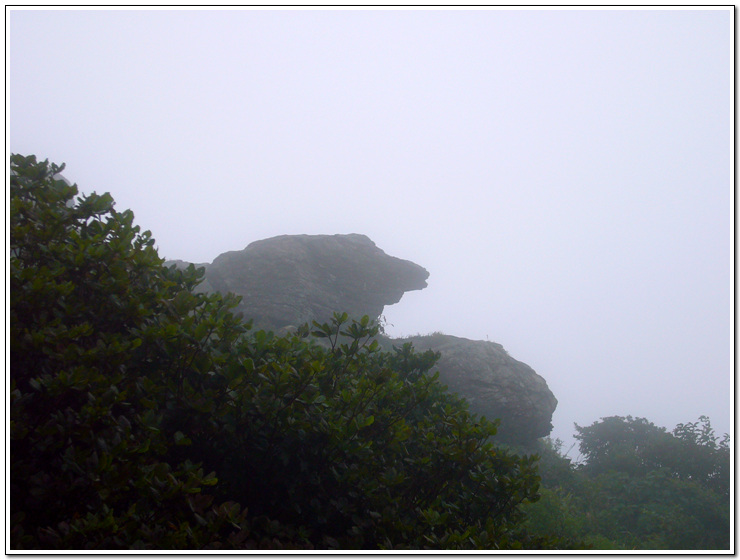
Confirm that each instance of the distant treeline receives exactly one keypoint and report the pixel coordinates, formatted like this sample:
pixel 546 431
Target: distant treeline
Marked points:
pixel 639 487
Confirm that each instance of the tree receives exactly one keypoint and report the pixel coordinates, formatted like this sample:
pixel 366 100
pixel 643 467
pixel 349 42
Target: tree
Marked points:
pixel 631 445
pixel 367 450
pixel 101 335
pixel 690 452
pixel 702 456
pixel 641 487
pixel 657 489
pixel 144 415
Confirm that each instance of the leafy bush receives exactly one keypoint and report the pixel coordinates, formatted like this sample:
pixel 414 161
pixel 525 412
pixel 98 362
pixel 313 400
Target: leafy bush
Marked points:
pixel 641 487
pixel 102 338
pixel 144 415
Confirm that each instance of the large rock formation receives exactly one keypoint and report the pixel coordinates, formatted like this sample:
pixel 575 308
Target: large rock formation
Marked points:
pixel 293 279
pixel 494 384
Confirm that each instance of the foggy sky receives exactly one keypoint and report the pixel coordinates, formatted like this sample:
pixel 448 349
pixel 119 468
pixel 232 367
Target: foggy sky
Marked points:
pixel 564 175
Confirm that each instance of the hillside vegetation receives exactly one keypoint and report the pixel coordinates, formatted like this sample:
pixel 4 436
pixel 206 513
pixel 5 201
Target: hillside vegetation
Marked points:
pixel 638 486
pixel 147 415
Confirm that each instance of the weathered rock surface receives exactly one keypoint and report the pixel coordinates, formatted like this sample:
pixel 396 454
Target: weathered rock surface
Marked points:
pixel 495 384
pixel 293 279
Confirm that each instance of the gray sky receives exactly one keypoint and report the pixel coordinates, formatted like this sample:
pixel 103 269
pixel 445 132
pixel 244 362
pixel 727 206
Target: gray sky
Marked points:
pixel 564 175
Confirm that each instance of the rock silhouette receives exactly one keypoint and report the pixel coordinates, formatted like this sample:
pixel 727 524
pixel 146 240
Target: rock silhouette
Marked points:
pixel 289 280
pixel 293 279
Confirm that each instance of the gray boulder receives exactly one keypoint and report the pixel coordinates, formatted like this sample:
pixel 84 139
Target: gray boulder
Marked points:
pixel 294 279
pixel 494 384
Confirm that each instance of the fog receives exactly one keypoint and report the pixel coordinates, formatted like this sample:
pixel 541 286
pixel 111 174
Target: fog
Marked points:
pixel 564 175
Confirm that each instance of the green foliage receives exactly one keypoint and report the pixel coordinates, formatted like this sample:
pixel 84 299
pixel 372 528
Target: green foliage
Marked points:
pixel 665 490
pixel 635 446
pixel 558 511
pixel 703 457
pixel 363 449
pixel 103 342
pixel 641 487
pixel 144 415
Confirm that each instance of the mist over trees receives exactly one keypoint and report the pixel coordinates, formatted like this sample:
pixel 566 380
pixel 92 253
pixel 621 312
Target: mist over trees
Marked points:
pixel 638 487
pixel 146 415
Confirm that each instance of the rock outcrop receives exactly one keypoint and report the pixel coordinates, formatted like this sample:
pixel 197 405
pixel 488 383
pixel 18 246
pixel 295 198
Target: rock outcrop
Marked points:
pixel 293 279
pixel 494 384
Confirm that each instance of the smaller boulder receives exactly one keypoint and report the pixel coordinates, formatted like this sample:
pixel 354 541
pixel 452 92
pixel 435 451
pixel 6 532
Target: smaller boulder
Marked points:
pixel 494 384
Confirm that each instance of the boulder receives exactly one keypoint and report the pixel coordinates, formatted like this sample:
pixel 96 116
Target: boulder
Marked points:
pixel 294 279
pixel 289 280
pixel 494 384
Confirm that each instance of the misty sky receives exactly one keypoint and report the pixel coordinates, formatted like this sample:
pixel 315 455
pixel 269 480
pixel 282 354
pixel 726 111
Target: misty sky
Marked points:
pixel 564 175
